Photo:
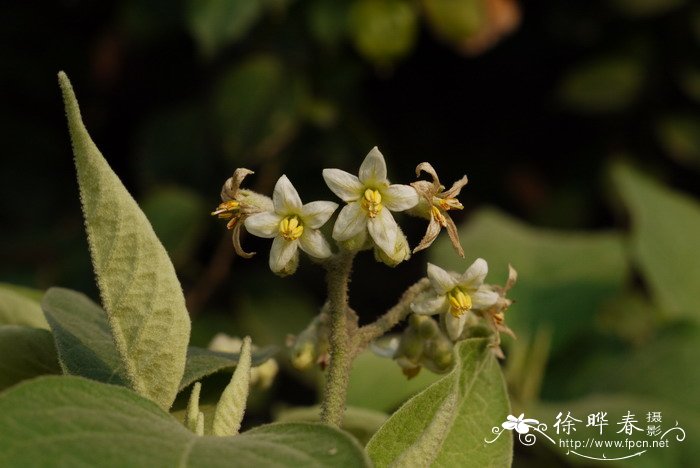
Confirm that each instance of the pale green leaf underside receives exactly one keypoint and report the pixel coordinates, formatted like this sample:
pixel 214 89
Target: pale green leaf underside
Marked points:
pixel 665 233
pixel 86 347
pixel 137 281
pixel 71 421
pixel 445 425
pixel 25 353
pixel 18 307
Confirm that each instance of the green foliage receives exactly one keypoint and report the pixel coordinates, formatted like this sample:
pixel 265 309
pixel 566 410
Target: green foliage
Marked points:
pixel 383 30
pixel 678 454
pixel 178 218
pixel 445 425
pixel 256 106
pixel 140 291
pixel 455 21
pixel 564 277
pixel 606 84
pixel 86 347
pixel 217 23
pixel 680 137
pixel 83 337
pixel 17 308
pixel 26 353
pixel 371 372
pixel 111 426
pixel 231 407
pixel 360 422
pixel 665 229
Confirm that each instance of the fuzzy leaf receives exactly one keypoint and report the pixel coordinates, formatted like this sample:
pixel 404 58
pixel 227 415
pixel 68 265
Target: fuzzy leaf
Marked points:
pixel 231 407
pixel 86 347
pixel 360 422
pixel 26 353
pixel 83 336
pixel 445 425
pixel 71 421
pixel 16 308
pixel 665 233
pixel 192 413
pixel 137 281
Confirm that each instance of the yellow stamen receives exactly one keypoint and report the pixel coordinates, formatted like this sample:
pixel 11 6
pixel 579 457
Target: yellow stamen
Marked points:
pixel 226 209
pixel 449 204
pixel 437 214
pixel 372 202
pixel 290 228
pixel 460 302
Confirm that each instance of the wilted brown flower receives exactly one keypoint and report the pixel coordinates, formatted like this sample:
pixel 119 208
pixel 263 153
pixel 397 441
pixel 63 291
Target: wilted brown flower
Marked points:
pixel 437 202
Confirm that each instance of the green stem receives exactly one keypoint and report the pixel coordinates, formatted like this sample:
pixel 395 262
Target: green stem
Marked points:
pixel 392 317
pixel 337 377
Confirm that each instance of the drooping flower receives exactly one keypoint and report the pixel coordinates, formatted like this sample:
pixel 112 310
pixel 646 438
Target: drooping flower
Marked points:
pixel 293 226
pixel 455 295
pixel 435 203
pixel 370 199
pixel 495 314
pixel 237 204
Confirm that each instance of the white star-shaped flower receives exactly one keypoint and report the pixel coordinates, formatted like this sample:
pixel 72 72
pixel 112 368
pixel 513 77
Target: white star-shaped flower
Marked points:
pixel 293 226
pixel 456 294
pixel 370 200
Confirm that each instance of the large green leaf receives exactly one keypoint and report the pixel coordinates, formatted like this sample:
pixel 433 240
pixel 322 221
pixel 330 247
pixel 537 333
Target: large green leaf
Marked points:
pixel 371 372
pixel 86 347
pixel 25 353
pixel 665 230
pixel 360 422
pixel 202 362
pixel 83 337
pixel 563 277
pixel 137 281
pixel 16 308
pixel 71 421
pixel 446 424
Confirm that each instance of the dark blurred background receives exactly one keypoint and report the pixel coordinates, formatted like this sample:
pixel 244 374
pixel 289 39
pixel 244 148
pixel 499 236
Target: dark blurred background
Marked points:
pixel 532 100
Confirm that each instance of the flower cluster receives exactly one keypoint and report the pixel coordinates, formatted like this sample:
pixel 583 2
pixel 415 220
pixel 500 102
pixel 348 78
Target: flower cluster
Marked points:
pixel 365 222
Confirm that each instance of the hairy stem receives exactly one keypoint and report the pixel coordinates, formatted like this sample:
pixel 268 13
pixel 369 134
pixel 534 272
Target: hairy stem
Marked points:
pixel 337 377
pixel 392 317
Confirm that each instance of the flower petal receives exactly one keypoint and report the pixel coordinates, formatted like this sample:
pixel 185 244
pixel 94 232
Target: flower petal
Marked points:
pixel 483 298
pixel 428 169
pixel 400 197
pixel 230 189
pixel 456 188
pixel 285 197
pixel 522 428
pixel 315 214
pixel 430 235
pixel 347 186
pixel 313 243
pixel 454 325
pixel 281 253
pixel 475 274
pixel 351 221
pixel 384 231
pixel 373 168
pixel 442 281
pixel 429 304
pixel 263 224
